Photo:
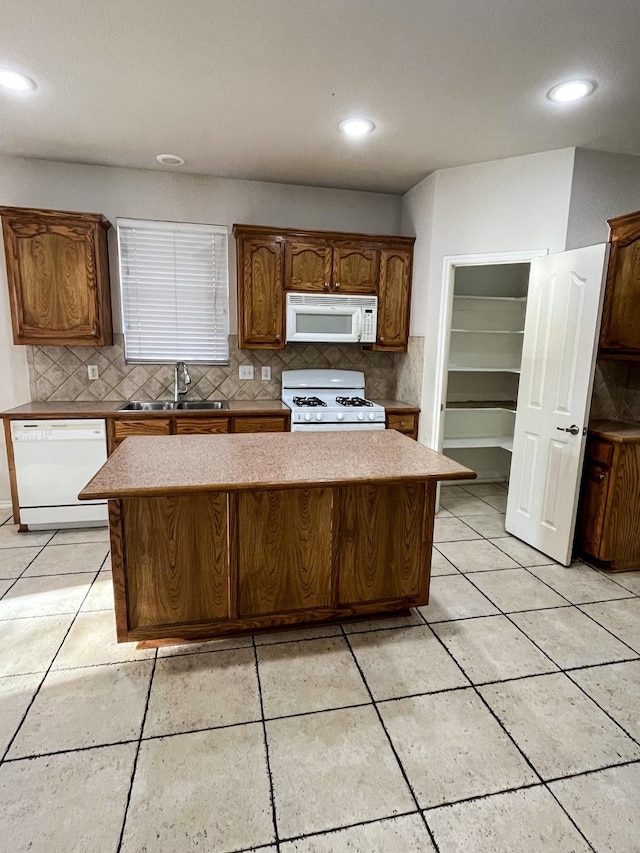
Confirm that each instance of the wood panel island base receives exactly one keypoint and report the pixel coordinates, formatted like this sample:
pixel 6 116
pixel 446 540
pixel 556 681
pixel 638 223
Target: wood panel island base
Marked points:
pixel 215 535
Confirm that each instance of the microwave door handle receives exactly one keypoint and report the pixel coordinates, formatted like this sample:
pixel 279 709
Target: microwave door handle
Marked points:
pixel 359 333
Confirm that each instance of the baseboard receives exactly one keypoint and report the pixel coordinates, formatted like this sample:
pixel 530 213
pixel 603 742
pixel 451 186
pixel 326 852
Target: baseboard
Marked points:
pixel 5 506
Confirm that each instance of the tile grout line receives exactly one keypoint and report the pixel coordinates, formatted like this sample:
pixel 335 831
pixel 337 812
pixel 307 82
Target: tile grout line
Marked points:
pixel 30 563
pixel 135 759
pixel 46 673
pixel 391 744
pixel 274 817
pixel 321 832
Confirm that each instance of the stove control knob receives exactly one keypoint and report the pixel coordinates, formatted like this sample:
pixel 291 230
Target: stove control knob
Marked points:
pixel 307 416
pixel 372 417
pixel 340 416
pixel 318 416
pixel 360 416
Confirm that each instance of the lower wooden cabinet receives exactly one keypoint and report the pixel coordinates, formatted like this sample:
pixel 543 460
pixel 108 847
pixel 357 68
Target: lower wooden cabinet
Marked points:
pixel 608 520
pixel 120 428
pixel 407 423
pixel 220 563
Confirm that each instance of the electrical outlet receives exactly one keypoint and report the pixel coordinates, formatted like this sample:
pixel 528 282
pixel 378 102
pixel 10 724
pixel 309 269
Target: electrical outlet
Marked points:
pixel 92 371
pixel 245 371
pixel 266 373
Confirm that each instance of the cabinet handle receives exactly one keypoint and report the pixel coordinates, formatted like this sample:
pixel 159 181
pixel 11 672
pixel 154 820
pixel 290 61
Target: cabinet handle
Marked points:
pixel 326 285
pixel 337 285
pixel 278 337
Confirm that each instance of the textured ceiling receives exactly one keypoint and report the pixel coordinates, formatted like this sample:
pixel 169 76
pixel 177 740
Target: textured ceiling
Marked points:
pixel 256 88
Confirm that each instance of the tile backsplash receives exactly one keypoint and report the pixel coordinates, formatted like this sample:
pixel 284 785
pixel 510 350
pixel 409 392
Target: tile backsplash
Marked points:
pixel 60 373
pixel 616 391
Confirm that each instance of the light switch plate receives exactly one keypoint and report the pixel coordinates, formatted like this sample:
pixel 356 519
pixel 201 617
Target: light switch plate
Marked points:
pixel 266 373
pixel 245 371
pixel 92 371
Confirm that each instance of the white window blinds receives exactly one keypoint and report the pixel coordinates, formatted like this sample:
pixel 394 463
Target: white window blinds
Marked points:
pixel 175 291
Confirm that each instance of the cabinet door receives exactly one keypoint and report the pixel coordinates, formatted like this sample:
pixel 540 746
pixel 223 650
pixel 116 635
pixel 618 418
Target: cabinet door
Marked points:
pixel 591 523
pixel 383 537
pixel 274 423
pixel 355 268
pixel 260 293
pixel 307 265
pixel 176 554
pixel 393 300
pixel 620 331
pixel 57 271
pixel 201 426
pixel 284 550
pixel 119 429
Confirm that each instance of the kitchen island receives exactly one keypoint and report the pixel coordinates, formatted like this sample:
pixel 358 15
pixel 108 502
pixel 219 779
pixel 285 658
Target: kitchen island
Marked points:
pixel 214 535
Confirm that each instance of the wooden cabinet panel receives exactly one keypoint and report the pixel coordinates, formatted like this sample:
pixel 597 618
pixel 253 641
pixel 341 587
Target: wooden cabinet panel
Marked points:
pixel 260 293
pixel 355 268
pixel 284 550
pixel 620 331
pixel 200 426
pixel 272 423
pixel 394 296
pixel 403 423
pixel 610 505
pixel 58 275
pixel 307 265
pixel 375 568
pixel 150 426
pixel 175 549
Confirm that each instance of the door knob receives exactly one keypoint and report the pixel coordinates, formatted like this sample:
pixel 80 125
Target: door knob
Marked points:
pixel 573 429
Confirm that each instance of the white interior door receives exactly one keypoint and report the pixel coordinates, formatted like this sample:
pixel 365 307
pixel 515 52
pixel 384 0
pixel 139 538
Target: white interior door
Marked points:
pixel 558 360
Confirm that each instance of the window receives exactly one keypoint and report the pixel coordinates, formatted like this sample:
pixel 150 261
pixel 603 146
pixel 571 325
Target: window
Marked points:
pixel 174 290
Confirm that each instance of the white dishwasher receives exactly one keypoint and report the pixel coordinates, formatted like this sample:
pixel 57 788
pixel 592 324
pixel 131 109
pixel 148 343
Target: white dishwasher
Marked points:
pixel 54 460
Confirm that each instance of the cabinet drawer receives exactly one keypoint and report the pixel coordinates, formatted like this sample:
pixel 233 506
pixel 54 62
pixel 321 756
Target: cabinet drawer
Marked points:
pixel 151 426
pixel 600 452
pixel 201 426
pixel 266 424
pixel 403 423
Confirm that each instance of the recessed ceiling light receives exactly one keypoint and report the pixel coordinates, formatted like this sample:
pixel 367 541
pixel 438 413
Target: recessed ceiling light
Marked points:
pixel 170 160
pixel 14 80
pixel 571 91
pixel 356 126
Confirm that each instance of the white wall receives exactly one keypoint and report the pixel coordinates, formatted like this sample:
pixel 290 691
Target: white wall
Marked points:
pixel 505 205
pixel 604 185
pixel 145 194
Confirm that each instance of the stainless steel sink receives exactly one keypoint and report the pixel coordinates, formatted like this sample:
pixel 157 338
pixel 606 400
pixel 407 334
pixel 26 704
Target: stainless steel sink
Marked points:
pixel 170 405
pixel 202 404
pixel 148 406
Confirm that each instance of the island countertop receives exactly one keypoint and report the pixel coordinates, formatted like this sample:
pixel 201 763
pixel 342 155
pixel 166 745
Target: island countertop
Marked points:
pixel 200 463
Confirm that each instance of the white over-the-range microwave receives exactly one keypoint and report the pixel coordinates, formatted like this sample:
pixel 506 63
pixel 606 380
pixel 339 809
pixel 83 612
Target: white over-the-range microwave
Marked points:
pixel 325 318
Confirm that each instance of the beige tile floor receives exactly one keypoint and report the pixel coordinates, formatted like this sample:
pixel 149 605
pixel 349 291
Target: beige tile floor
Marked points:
pixel 504 716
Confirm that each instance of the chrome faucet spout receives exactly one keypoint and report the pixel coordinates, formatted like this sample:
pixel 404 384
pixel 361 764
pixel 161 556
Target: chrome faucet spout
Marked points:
pixel 180 393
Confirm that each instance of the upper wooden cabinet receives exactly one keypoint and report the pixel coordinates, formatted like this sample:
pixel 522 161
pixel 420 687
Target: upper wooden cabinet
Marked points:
pixel 272 261
pixel 393 299
pixel 330 266
pixel 58 275
pixel 620 332
pixel 260 291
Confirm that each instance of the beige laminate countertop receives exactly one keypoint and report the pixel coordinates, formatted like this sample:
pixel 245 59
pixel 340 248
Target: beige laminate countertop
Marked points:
pixel 396 405
pixel 102 409
pixel 165 465
pixel 615 430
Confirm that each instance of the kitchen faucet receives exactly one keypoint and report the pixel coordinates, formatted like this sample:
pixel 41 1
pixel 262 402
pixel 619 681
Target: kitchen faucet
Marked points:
pixel 180 393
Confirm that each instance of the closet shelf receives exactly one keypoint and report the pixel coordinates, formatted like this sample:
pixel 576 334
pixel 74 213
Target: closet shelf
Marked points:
pixel 490 331
pixel 461 369
pixel 509 405
pixel 503 441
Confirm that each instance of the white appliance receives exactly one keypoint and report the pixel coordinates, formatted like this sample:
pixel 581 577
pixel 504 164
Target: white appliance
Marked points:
pixel 325 318
pixel 54 460
pixel 329 400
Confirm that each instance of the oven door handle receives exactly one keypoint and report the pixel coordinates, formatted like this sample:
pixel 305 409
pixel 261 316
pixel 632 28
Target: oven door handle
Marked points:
pixel 359 329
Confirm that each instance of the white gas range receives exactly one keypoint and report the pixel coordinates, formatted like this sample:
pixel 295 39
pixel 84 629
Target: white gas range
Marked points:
pixel 329 400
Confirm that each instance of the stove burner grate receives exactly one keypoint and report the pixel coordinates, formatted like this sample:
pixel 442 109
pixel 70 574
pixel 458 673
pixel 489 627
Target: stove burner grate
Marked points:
pixel 353 401
pixel 308 402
